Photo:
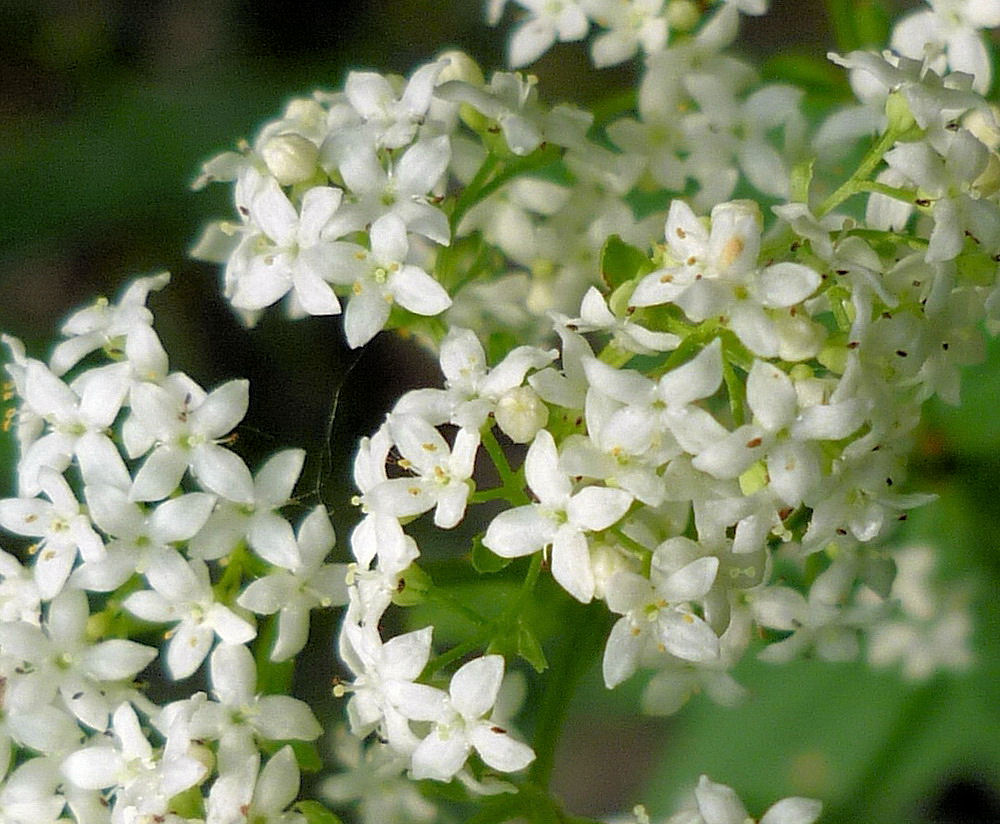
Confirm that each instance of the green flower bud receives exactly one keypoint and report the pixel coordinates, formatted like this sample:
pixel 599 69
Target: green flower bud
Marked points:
pixel 683 15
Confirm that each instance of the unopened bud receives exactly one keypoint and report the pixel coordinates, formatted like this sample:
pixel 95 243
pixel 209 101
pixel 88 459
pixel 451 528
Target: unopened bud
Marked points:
pixel 897 109
pixel 290 157
pixel 520 413
pixel 460 67
pixel 682 15
pixel 988 182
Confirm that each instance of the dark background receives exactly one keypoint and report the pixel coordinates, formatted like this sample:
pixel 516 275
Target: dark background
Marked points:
pixel 107 110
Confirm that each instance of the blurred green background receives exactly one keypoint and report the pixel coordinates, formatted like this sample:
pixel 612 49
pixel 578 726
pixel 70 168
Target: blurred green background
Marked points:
pixel 107 110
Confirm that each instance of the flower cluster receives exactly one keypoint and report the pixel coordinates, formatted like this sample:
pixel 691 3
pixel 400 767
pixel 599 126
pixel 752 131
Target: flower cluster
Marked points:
pixel 145 523
pixel 676 418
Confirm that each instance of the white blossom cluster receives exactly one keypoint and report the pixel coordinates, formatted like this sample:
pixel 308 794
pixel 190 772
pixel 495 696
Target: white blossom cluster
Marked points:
pixel 145 523
pixel 714 401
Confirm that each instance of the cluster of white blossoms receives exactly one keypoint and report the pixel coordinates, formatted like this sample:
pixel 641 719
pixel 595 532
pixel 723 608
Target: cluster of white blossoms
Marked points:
pixel 714 401
pixel 144 523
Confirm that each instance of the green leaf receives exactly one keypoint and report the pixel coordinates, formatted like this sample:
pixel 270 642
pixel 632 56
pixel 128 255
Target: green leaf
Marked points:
pixel 316 813
pixel 273 677
pixel 486 561
pixel 530 649
pixel 621 262
pixel 306 753
pixel 816 75
pixel 858 24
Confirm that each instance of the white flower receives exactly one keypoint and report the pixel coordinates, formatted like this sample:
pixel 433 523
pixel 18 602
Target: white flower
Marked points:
pixel 560 519
pixel 245 792
pixel 595 315
pixel 61 523
pixel 632 24
pixel 460 723
pixel 473 391
pixel 717 274
pixel 718 804
pixel 305 584
pixel 380 277
pixel 393 119
pixel 186 432
pixel 182 591
pixel 78 416
pixel 948 35
pixel 378 669
pixel 946 180
pixel 658 610
pixel 372 776
pixel 119 328
pixel 59 658
pixel 563 20
pixel 400 188
pixel 239 716
pixel 20 599
pixel 782 434
pixel 282 249
pixel 442 477
pixel 29 795
pixel 136 534
pixel 142 779
pixel 256 521
pixel 511 99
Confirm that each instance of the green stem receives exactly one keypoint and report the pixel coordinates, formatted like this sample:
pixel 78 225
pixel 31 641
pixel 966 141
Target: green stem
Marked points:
pixel 470 196
pixel 511 487
pixel 736 391
pixel 588 631
pixel 645 555
pixel 854 184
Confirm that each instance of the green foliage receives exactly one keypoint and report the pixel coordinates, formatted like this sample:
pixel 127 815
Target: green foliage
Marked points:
pixel 316 813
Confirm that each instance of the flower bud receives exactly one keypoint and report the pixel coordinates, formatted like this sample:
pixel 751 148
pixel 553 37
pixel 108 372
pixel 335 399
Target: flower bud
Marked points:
pixel 290 157
pixel 682 15
pixel 520 413
pixel 461 67
pixel 607 561
pixel 897 109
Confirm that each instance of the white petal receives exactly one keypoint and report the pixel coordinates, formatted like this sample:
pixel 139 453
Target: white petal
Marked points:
pixel 771 396
pixel 719 804
pixel 223 472
pixel 475 685
pixel 595 508
pixel 439 758
pixel 541 470
pixel 187 649
pixel 785 284
pixel 417 291
pixel 621 655
pixel 117 659
pixel 793 811
pixel 277 785
pixel 571 563
pixel 498 750
pixel 282 717
pixel 519 531
pixel 687 636
pixel 271 537
pixel 698 378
